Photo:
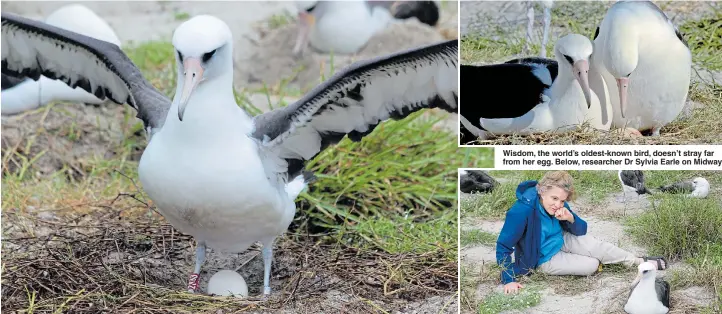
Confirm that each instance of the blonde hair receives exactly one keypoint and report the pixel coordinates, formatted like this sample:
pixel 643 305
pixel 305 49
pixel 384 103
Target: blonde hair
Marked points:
pixel 560 179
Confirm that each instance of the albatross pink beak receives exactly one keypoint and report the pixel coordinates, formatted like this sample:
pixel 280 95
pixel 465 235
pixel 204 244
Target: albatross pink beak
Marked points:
pixel 622 84
pixel 581 72
pixel 193 72
pixel 306 21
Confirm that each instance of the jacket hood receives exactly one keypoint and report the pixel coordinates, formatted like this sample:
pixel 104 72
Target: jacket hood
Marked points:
pixel 526 192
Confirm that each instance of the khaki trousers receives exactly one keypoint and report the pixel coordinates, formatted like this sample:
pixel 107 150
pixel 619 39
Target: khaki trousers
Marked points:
pixel 581 256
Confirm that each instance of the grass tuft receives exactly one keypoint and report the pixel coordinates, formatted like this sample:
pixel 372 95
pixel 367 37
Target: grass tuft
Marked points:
pixel 498 302
pixel 475 237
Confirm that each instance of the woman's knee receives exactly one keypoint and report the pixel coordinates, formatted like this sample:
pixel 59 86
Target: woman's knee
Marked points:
pixel 591 266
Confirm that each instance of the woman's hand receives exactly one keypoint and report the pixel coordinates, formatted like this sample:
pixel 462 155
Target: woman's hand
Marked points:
pixel 564 214
pixel 512 287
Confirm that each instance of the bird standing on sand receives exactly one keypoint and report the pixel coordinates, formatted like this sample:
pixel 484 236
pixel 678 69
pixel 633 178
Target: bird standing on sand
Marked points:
pixel 632 182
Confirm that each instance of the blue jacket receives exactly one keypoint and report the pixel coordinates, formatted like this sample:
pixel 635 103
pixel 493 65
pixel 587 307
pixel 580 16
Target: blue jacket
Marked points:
pixel 521 233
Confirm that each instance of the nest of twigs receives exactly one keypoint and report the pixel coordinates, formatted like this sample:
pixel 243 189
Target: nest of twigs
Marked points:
pixel 111 264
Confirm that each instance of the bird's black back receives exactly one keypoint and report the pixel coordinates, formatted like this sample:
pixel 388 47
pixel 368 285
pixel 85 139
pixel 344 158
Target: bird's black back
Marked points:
pixel 506 90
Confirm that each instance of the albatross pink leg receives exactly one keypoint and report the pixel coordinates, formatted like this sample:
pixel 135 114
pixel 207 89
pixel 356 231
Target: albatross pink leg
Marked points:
pixel 194 279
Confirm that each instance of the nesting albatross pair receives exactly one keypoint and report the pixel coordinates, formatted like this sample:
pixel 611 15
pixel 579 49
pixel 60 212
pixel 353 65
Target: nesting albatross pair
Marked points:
pixel 643 72
pixel 215 172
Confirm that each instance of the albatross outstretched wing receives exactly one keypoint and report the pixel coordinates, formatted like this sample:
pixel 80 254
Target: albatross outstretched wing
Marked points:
pixel 355 100
pixel 32 48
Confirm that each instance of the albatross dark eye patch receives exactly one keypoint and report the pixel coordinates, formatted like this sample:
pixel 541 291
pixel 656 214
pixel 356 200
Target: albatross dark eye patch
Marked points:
pixel 569 59
pixel 208 55
pixel 180 56
pixel 311 8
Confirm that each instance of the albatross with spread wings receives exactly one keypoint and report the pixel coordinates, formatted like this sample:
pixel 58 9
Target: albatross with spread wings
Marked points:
pixel 215 172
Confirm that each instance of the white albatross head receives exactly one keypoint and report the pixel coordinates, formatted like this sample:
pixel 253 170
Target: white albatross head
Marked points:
pixel 701 187
pixel 645 271
pixel 204 52
pixel 573 52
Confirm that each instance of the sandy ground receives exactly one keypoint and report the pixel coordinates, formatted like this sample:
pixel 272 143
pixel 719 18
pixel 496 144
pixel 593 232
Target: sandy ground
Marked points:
pixel 607 291
pixel 262 55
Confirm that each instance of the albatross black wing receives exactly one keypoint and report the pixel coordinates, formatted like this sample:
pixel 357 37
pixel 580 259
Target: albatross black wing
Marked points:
pixel 679 187
pixel 32 48
pixel 662 289
pixel 506 90
pixel 355 100
pixel 10 81
pixel 635 179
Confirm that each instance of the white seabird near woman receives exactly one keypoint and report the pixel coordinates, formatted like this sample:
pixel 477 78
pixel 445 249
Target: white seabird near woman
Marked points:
pixel 215 172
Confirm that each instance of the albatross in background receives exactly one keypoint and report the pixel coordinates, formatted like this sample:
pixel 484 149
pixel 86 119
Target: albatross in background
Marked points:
pixel 697 187
pixel 20 95
pixel 522 96
pixel 476 181
pixel 633 181
pixel 637 46
pixel 530 25
pixel 215 172
pixel 346 26
pixel 649 294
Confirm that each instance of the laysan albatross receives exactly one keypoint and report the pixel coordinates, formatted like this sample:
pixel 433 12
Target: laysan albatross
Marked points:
pixel 344 27
pixel 20 95
pixel 649 294
pixel 637 46
pixel 695 188
pixel 212 170
pixel 522 97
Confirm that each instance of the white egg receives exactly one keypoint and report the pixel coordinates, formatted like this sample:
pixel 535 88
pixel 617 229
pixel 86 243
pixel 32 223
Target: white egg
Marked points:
pixel 228 282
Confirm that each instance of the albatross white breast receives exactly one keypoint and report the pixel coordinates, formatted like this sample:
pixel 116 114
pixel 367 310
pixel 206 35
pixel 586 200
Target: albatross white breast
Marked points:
pixel 214 171
pixel 637 46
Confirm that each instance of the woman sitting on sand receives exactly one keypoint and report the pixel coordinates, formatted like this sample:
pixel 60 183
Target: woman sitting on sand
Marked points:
pixel 545 234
